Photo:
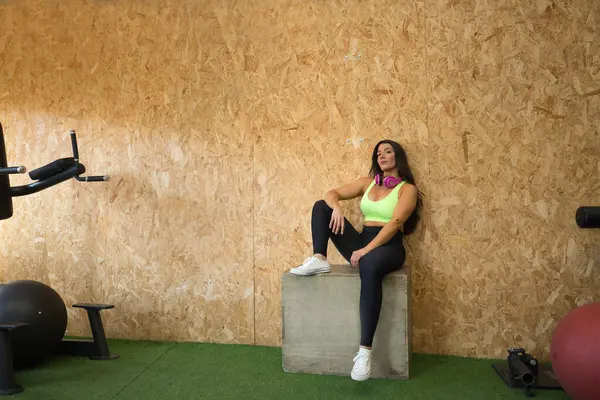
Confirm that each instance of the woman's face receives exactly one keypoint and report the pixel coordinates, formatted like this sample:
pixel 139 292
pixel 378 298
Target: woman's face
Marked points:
pixel 386 158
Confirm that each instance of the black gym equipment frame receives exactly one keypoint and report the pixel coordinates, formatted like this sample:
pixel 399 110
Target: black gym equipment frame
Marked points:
pixel 95 348
pixel 523 371
pixel 47 176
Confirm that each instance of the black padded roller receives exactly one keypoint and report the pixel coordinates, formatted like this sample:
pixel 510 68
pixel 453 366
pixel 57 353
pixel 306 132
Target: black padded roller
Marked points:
pixel 6 206
pixel 55 167
pixel 588 217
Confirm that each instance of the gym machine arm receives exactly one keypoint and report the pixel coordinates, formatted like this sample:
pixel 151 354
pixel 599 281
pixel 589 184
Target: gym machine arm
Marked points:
pixel 53 173
pixel 588 217
pixel 49 175
pixel 13 170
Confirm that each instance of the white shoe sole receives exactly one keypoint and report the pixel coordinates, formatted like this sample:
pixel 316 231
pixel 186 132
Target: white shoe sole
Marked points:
pixel 315 271
pixel 359 378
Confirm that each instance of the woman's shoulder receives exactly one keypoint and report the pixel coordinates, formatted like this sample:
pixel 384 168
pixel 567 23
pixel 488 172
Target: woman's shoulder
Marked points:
pixel 363 182
pixel 366 181
pixel 407 187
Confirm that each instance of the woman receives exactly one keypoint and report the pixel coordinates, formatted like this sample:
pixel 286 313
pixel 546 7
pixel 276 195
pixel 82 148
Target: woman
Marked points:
pixel 390 204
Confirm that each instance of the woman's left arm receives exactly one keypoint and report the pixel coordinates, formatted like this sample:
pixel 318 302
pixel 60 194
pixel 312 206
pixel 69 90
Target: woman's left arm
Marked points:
pixel 407 201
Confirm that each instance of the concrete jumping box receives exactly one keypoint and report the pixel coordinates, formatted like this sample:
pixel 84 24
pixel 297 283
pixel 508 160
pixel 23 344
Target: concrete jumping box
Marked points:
pixel 321 323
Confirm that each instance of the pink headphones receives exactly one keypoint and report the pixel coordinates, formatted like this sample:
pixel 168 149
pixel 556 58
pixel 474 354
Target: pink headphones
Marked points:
pixel 388 181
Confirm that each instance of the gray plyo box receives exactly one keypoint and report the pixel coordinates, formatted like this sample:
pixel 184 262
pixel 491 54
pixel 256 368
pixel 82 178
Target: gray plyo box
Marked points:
pixel 321 323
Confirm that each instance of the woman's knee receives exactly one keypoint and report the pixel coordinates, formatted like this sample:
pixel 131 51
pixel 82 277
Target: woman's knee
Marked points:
pixel 368 267
pixel 377 264
pixel 320 204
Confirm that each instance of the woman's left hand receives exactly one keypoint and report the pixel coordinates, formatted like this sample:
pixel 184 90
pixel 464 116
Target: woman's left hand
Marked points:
pixel 356 256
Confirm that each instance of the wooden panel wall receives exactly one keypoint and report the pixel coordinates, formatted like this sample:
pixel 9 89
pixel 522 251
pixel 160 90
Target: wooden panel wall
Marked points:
pixel 221 123
pixel 513 118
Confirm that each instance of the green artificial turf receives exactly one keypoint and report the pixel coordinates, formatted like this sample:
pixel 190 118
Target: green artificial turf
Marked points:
pixel 156 370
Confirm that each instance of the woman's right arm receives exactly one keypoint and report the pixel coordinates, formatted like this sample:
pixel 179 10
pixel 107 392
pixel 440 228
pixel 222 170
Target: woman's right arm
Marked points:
pixel 346 192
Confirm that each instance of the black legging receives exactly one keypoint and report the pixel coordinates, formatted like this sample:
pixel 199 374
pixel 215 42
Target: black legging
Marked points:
pixel 373 267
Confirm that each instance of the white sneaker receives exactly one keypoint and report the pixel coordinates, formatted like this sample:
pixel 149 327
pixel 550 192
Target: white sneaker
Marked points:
pixel 310 266
pixel 362 365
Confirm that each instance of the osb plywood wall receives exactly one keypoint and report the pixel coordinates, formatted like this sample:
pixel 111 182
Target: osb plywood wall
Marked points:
pixel 221 122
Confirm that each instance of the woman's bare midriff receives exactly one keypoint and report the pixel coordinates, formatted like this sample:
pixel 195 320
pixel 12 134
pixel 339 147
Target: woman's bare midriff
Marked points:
pixel 379 225
pixel 376 224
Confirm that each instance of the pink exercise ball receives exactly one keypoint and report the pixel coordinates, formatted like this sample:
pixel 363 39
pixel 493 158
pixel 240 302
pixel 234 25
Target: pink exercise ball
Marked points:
pixel 575 352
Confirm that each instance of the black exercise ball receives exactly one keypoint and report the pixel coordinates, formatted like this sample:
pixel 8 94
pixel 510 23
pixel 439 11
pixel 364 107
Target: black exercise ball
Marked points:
pixel 43 310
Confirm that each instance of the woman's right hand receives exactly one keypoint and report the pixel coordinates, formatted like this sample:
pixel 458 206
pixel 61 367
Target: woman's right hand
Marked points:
pixel 336 224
